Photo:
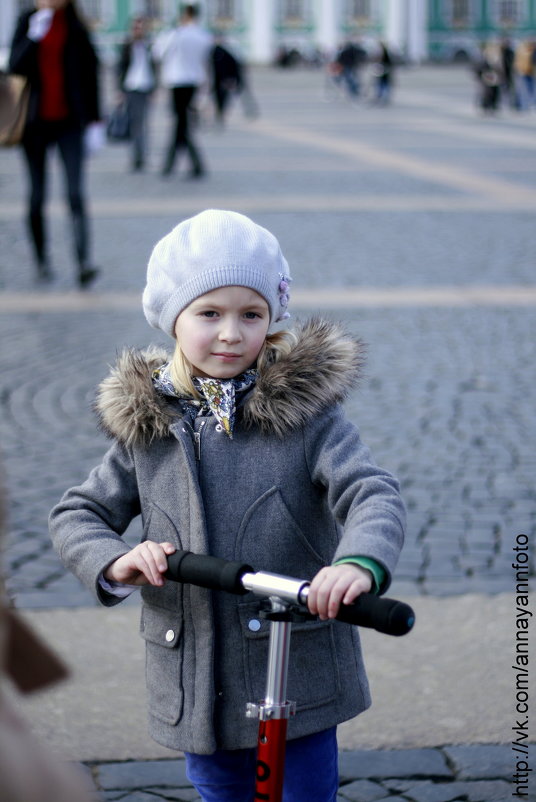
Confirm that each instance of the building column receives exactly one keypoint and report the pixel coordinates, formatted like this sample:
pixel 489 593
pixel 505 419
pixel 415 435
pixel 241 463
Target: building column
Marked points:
pixel 262 38
pixel 8 20
pixel 406 28
pixel 395 24
pixel 327 30
pixel 417 46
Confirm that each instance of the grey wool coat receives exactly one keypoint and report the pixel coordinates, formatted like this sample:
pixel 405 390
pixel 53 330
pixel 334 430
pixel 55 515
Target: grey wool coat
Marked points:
pixel 293 491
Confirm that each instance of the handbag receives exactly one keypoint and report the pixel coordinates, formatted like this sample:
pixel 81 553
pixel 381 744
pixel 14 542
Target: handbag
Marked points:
pixel 118 127
pixel 14 97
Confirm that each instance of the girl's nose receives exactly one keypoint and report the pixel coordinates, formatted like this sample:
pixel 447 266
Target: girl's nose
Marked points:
pixel 230 330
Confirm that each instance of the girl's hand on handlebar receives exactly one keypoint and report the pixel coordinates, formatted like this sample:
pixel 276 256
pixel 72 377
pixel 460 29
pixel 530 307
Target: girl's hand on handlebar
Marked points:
pixel 143 565
pixel 336 585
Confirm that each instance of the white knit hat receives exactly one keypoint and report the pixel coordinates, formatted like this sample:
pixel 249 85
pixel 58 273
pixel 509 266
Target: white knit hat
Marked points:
pixel 211 250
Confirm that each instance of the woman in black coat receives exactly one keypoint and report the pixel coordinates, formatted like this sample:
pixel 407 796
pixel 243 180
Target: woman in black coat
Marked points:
pixel 52 48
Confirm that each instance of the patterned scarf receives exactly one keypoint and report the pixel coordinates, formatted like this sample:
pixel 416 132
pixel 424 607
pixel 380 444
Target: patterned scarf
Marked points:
pixel 218 395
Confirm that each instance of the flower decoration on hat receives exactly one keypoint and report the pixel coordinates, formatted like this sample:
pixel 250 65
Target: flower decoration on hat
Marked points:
pixel 284 295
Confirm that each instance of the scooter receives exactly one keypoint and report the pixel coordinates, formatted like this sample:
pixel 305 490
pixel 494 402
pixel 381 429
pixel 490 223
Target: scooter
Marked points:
pixel 287 604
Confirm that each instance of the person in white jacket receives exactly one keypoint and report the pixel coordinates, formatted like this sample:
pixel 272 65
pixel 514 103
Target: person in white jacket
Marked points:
pixel 183 55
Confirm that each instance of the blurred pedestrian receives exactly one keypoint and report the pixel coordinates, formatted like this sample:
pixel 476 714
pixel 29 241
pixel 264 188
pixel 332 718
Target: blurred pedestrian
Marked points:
pixel 183 55
pixel 137 80
pixel 52 48
pixel 508 87
pixel 349 60
pixel 489 77
pixel 226 78
pixel 525 67
pixel 382 71
pixel 229 79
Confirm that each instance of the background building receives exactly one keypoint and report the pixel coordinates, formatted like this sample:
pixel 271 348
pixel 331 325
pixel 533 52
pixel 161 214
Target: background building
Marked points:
pixel 455 27
pixel 260 29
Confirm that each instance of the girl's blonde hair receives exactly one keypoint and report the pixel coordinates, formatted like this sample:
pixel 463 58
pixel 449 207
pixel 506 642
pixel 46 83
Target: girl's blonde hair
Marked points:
pixel 275 346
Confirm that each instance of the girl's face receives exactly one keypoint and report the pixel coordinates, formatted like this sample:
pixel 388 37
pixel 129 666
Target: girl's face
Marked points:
pixel 222 332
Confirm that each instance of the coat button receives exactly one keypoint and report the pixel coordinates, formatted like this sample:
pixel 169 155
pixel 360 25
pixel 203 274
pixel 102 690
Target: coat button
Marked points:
pixel 170 635
pixel 254 625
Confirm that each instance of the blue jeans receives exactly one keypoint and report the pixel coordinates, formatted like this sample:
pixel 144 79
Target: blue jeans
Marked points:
pixel 311 771
pixel 138 103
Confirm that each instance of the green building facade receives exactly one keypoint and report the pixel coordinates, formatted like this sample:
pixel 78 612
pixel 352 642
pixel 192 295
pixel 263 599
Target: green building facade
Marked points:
pixel 449 29
pixel 419 29
pixel 456 27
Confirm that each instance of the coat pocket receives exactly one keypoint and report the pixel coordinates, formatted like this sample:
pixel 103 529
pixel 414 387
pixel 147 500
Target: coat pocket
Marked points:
pixel 159 526
pixel 162 631
pixel 269 518
pixel 313 671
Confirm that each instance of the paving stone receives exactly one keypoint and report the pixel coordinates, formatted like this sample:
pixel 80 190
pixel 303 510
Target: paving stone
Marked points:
pixel 141 796
pixel 41 600
pixel 179 794
pixel 362 791
pixel 437 792
pixel 490 791
pixel 481 761
pixel 137 775
pixel 401 785
pixel 483 791
pixel 491 584
pixel 394 798
pixel 365 764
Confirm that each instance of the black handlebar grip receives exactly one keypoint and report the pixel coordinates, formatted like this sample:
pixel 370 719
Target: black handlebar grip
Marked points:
pixel 207 572
pixel 389 616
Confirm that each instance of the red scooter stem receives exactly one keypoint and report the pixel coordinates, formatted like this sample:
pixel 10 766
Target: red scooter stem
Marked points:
pixel 274 711
pixel 269 774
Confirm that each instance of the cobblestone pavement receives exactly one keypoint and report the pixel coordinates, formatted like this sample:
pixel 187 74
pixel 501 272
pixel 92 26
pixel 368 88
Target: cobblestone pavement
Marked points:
pixel 422 196
pixel 470 773
pixel 414 224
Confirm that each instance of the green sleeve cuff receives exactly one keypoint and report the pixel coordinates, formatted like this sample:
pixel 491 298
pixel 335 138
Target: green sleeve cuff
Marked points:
pixel 378 573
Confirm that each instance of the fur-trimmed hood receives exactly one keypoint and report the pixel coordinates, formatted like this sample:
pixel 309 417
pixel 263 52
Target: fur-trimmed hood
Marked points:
pixel 319 371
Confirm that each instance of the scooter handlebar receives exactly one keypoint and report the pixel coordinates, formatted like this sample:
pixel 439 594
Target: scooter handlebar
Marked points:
pixel 389 616
pixel 208 572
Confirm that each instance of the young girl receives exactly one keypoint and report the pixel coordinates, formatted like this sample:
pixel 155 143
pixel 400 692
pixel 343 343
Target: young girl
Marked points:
pixel 236 446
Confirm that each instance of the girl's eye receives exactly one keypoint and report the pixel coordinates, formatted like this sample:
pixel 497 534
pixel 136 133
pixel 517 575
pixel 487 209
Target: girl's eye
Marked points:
pixel 251 315
pixel 209 313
